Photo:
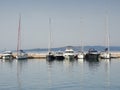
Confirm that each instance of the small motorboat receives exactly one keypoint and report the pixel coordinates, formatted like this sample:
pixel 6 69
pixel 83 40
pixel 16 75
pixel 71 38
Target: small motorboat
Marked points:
pixel 92 54
pixel 69 54
pixel 7 55
pixel 59 55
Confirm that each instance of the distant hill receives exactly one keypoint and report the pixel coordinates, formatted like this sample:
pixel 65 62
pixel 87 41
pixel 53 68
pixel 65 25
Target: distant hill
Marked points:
pixel 76 48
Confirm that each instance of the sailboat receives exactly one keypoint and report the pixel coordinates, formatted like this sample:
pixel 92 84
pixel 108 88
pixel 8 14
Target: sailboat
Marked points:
pixel 21 55
pixel 50 56
pixel 106 53
pixel 81 53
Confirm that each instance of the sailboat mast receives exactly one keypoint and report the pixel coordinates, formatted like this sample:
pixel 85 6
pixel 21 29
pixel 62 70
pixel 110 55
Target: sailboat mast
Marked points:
pixel 49 48
pixel 82 48
pixel 107 34
pixel 19 34
pixel 81 24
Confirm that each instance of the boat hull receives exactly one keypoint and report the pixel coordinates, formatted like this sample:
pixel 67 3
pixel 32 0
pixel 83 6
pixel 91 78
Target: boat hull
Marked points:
pixel 50 57
pixel 22 56
pixel 80 56
pixel 59 57
pixel 92 56
pixel 8 57
pixel 105 55
pixel 69 57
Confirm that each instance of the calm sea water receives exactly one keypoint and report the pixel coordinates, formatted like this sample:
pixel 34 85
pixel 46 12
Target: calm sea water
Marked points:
pixel 39 74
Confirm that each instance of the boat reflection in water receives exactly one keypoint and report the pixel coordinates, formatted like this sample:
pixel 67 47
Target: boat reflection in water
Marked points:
pixel 49 70
pixel 93 64
pixel 50 62
pixel 107 73
pixel 78 74
pixel 80 60
pixel 20 66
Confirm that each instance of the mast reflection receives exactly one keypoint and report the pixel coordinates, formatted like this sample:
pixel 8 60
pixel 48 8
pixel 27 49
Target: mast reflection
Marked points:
pixel 107 73
pixel 20 64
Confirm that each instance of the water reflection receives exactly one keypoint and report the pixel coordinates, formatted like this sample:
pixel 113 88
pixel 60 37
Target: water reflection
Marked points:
pixel 81 73
pixel 93 63
pixel 63 75
pixel 49 62
pixel 80 61
pixel 20 66
pixel 69 63
pixel 66 62
pixel 7 62
pixel 59 68
pixel 3 60
pixel 49 70
pixel 107 73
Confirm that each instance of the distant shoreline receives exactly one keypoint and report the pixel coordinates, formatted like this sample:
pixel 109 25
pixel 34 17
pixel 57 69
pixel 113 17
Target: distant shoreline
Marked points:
pixel 75 48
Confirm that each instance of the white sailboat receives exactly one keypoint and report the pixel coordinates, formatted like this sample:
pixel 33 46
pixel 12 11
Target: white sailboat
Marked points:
pixel 50 56
pixel 106 53
pixel 81 53
pixel 21 55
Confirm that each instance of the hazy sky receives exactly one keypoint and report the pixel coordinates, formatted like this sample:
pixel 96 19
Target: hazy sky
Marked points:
pixel 73 21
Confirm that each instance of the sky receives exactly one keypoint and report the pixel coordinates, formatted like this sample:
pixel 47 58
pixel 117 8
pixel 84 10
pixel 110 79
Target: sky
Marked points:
pixel 72 22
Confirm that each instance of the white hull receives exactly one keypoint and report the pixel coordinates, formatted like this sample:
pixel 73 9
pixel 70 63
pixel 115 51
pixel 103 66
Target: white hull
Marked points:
pixel 105 55
pixel 80 56
pixel 69 54
pixel 69 57
pixel 21 56
pixel 7 57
